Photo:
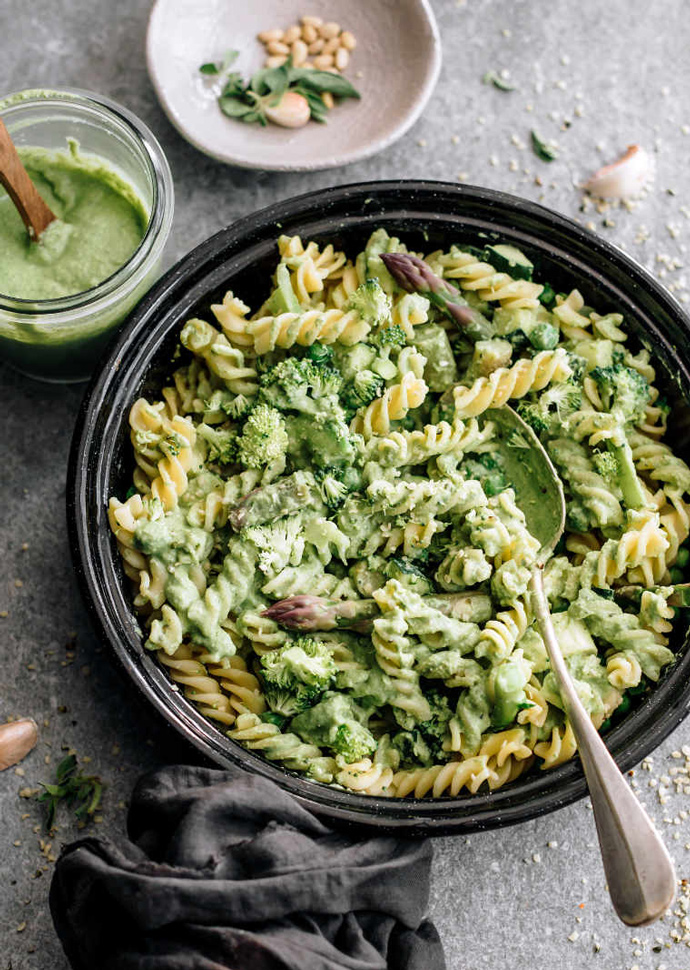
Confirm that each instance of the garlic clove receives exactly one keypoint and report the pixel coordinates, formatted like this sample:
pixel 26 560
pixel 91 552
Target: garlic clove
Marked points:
pixel 292 111
pixel 624 178
pixel 16 740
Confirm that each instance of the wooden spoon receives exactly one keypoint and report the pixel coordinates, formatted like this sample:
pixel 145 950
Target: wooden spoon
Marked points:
pixel 34 212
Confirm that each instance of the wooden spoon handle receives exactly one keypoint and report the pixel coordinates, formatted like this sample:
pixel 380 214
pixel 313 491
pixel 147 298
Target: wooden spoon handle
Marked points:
pixel 34 212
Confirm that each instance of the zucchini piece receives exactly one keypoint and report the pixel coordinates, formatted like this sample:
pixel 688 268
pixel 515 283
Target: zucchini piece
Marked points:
pixel 509 259
pixel 282 299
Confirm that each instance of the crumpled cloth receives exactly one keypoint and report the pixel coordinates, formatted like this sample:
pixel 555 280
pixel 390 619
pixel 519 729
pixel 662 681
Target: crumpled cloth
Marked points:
pixel 226 870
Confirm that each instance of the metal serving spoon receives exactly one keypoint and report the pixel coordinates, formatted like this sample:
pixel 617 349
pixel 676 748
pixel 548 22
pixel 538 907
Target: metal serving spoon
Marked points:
pixel 640 874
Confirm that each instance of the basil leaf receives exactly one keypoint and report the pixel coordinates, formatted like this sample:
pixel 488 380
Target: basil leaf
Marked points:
pixel 321 81
pixel 215 67
pixel 234 85
pixel 541 149
pixel 271 80
pixel 233 107
pixel 229 59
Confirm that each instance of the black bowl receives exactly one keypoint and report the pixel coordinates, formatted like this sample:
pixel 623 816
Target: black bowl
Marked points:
pixel 428 215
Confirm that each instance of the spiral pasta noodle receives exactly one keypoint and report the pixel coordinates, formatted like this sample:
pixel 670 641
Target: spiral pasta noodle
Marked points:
pixel 392 406
pixel 480 277
pixel 511 383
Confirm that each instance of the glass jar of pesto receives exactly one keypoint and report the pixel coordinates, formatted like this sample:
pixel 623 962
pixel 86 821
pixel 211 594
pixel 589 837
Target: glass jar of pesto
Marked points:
pixel 107 180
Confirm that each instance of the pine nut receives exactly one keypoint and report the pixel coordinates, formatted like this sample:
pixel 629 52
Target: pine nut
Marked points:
pixel 327 99
pixel 291 34
pixel 342 59
pixel 311 21
pixel 317 46
pixel 299 53
pixel 266 36
pixel 276 61
pixel 307 66
pixel 309 33
pixel 323 62
pixel 331 29
pixel 331 46
pixel 277 47
pixel 348 40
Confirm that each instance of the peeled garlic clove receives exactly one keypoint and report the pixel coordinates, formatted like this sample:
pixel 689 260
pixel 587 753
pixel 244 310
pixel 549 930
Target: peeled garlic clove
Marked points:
pixel 623 179
pixel 292 111
pixel 16 740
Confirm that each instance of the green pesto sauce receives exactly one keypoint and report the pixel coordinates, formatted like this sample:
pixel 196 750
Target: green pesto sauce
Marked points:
pixel 100 223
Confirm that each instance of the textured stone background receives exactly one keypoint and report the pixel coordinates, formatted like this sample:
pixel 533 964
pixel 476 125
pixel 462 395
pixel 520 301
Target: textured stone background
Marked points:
pixel 594 77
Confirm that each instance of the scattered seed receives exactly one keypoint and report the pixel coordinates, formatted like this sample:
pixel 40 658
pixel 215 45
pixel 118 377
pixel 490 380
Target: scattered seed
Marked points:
pixel 323 62
pixel 348 40
pixel 342 59
pixel 331 29
pixel 268 36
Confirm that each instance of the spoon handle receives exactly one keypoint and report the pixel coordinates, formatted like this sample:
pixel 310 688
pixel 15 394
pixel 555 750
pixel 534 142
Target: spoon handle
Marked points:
pixel 13 176
pixel 640 874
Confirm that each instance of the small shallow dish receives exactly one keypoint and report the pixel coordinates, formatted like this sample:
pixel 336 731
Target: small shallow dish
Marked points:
pixel 427 215
pixel 395 66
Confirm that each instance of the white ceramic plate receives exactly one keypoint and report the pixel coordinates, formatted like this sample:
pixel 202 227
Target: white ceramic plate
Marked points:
pixel 398 55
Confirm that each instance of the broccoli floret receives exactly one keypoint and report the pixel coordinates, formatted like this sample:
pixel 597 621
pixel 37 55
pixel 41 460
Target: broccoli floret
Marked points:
pixel 412 747
pixel 326 436
pixel 264 438
pixel 424 741
pixel 624 392
pixel 534 416
pixel 434 729
pixel 607 466
pixel 544 336
pixel 353 742
pixel 549 412
pixel 365 387
pixel 336 483
pixel 388 337
pixel 296 675
pixel 239 407
pixel 339 723
pixel 370 302
pixel 222 444
pixel 320 354
pixel 297 384
pixel 578 366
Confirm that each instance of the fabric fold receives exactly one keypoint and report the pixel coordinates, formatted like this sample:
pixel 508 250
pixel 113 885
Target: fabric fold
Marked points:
pixel 225 869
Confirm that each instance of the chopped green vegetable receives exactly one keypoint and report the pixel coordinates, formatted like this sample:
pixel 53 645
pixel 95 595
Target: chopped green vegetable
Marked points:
pixel 541 149
pixel 498 82
pixel 73 789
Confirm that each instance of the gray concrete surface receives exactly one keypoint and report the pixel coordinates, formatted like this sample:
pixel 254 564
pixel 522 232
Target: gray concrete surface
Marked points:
pixel 594 77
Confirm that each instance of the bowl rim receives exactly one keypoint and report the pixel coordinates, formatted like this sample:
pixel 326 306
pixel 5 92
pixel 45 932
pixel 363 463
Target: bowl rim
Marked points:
pixel 346 157
pixel 661 712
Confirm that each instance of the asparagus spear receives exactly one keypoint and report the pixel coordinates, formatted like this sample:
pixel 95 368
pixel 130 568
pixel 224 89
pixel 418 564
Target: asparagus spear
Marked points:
pixel 308 612
pixel 292 494
pixel 415 276
pixel 633 594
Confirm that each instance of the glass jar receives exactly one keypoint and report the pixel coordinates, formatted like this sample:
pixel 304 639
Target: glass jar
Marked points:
pixel 60 340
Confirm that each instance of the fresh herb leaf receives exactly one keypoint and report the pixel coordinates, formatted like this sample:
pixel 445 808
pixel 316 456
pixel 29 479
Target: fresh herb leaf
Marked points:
pixel 498 82
pixel 77 791
pixel 220 67
pixel 234 107
pixel 321 81
pixel 541 149
pixel 234 85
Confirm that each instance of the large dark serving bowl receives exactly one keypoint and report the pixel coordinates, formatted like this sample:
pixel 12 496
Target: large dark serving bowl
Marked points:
pixel 428 215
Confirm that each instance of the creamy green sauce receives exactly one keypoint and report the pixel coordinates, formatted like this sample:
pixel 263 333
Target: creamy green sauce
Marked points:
pixel 100 223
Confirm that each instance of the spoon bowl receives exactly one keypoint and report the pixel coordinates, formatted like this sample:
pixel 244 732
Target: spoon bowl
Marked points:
pixel 640 874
